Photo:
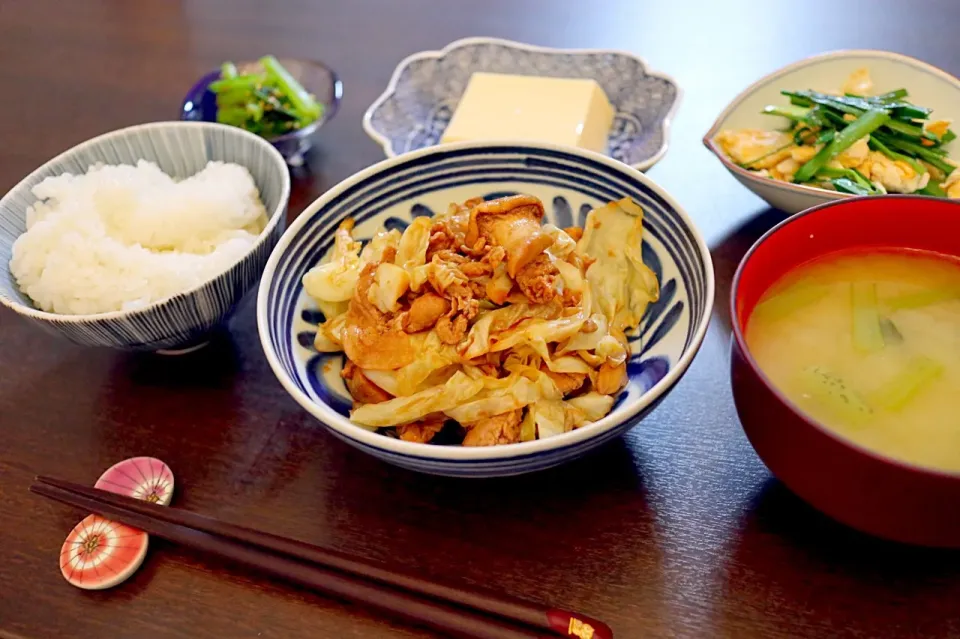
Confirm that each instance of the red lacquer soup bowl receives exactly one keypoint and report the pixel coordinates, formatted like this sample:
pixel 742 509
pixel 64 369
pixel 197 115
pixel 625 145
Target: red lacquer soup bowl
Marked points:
pixel 863 489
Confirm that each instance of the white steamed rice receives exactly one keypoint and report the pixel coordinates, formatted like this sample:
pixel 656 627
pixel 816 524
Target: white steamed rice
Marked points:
pixel 122 237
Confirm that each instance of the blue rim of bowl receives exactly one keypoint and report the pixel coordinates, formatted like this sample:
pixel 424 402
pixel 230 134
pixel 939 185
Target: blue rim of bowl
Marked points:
pixel 330 108
pixel 384 142
pixel 343 427
pixel 273 220
pixel 782 71
pixel 740 340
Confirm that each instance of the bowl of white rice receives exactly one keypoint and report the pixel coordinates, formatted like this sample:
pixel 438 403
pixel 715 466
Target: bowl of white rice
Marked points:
pixel 145 238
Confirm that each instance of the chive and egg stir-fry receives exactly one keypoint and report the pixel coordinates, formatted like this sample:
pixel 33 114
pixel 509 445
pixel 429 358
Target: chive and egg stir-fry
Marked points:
pixel 269 101
pixel 853 142
pixel 482 322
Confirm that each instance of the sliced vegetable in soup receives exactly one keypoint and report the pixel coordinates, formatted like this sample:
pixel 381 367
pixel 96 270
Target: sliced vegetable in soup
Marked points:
pixel 868 344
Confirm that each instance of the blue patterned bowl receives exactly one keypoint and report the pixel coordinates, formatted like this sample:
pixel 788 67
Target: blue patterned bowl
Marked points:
pixel 570 183
pixel 180 149
pixel 425 88
pixel 200 103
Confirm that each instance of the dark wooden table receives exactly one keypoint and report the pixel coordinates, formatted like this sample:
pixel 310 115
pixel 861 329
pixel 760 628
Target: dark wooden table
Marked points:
pixel 676 530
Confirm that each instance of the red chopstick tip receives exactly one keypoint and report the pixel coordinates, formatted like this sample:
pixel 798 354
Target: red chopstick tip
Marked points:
pixel 568 624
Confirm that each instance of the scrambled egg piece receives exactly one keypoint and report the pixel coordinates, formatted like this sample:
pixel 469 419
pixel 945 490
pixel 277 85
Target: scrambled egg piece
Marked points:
pixel 895 176
pixel 937 127
pixel 859 82
pixel 747 145
pixel 856 154
pixel 787 162
pixel 952 184
pixel 804 154
pixel 786 169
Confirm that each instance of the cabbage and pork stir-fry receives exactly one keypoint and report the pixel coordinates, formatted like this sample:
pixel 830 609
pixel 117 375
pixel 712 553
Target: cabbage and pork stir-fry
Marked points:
pixel 853 141
pixel 484 323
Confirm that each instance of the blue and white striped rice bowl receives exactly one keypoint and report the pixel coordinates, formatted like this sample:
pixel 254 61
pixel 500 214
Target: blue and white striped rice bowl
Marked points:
pixel 570 183
pixel 180 149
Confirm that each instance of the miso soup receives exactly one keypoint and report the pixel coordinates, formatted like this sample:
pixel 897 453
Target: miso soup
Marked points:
pixel 868 344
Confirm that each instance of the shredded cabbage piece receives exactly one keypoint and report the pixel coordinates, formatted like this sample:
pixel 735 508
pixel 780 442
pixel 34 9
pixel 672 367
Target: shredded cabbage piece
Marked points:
pixel 331 310
pixel 612 350
pixel 387 380
pixel 563 245
pixel 336 280
pixel 443 276
pixel 432 355
pixel 572 279
pixel 492 323
pixel 622 284
pixel 528 427
pixel 374 250
pixel 588 341
pixel 544 330
pixel 593 405
pixel 412 250
pixel 401 382
pixel 567 364
pixel 402 410
pixel 390 282
pixel 418 277
pixel 500 284
pixel 520 392
pixel 329 337
pixel 550 417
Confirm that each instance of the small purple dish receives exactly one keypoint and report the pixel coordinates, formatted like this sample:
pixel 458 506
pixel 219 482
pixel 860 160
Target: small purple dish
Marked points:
pixel 200 104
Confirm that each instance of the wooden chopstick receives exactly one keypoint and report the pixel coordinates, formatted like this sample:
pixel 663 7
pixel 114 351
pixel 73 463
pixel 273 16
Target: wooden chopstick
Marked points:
pixel 442 606
pixel 459 622
pixel 498 605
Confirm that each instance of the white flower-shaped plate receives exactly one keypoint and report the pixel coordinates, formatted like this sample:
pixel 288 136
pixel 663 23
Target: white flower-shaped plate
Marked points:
pixel 928 86
pixel 425 88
